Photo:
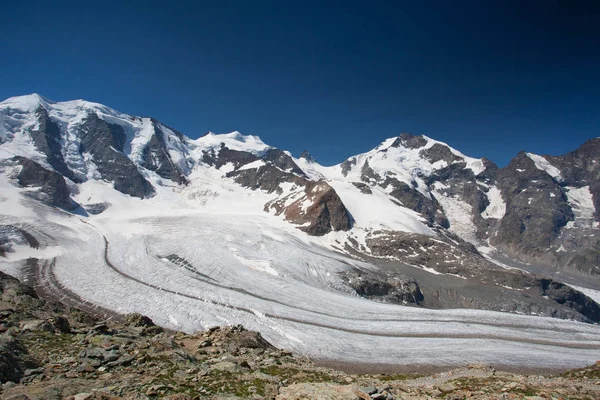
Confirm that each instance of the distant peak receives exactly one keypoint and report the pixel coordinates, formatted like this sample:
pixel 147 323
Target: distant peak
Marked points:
pixel 412 141
pixel 307 156
pixel 406 140
pixel 29 102
pixel 233 140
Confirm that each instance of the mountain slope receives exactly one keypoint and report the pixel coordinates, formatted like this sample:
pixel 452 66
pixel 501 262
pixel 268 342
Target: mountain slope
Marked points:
pixel 131 215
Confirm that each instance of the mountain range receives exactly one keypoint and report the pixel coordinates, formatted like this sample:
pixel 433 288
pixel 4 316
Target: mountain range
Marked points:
pixel 119 213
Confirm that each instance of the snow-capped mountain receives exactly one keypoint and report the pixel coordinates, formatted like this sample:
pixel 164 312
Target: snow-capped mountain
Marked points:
pixel 131 215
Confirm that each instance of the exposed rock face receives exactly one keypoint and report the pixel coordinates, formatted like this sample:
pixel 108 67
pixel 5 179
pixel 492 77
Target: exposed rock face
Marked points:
pixel 156 158
pixel 439 152
pixel 528 294
pixel 536 207
pixel 46 137
pixel 53 188
pixel 307 156
pixel 96 208
pixel 105 143
pixel 267 177
pixel 581 168
pixel 317 207
pixel 410 141
pixel 563 294
pixel 363 187
pixel 226 155
pixel 283 161
pixel 347 165
pixel 411 198
pixel 387 287
pixel 327 211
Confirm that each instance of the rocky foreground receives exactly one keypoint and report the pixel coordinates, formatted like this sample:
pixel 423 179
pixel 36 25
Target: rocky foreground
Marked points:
pixel 48 351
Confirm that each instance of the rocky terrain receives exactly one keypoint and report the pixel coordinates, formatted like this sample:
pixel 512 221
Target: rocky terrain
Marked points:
pixel 49 351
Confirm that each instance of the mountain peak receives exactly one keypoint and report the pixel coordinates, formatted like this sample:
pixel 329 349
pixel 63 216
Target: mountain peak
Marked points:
pixel 407 140
pixel 307 156
pixel 234 141
pixel 29 102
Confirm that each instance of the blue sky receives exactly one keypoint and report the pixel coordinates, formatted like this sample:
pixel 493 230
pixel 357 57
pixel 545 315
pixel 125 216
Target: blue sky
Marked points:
pixel 488 77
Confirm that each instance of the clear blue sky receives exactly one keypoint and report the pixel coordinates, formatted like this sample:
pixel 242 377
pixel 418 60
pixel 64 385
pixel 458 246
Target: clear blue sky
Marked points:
pixel 488 77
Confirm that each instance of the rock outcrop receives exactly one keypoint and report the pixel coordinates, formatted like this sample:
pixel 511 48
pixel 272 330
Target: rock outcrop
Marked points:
pixel 105 143
pixel 53 188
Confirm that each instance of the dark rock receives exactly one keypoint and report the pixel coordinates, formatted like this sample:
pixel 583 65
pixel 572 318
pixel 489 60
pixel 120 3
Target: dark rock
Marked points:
pixel 47 139
pixel 237 337
pixel 225 155
pixel 155 157
pixel 386 287
pixel 11 289
pixel 61 324
pixel 533 218
pixel 139 320
pixel 563 294
pixel 347 165
pixel 410 141
pixel 363 187
pixel 367 174
pixel 105 142
pixel 267 177
pixel 283 161
pixel 410 197
pixel 14 359
pixel 53 188
pixel 307 156
pixel 96 208
pixel 327 211
pixel 440 152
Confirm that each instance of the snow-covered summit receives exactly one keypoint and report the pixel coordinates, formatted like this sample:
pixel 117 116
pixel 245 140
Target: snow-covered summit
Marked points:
pixel 62 110
pixel 233 140
pixel 409 157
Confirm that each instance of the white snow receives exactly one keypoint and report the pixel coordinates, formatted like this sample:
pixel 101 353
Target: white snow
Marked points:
pixel 460 216
pixel 381 212
pixel 542 164
pixel 591 293
pixel 252 165
pixel 497 207
pixel 582 204
pixel 233 140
